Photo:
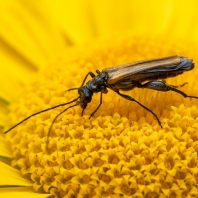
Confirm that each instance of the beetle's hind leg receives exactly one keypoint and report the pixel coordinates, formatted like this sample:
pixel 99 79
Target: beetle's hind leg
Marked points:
pixel 176 86
pixel 182 85
pixel 132 99
pixel 162 86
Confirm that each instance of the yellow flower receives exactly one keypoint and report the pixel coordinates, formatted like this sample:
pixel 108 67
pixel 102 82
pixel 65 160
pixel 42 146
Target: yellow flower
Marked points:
pixel 122 151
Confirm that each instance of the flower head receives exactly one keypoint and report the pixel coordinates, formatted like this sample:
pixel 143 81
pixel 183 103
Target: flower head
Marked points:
pixel 122 151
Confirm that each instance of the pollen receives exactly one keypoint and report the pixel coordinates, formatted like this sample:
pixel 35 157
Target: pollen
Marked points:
pixel 120 152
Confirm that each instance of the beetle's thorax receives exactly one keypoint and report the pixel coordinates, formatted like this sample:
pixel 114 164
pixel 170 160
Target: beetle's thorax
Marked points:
pixel 98 83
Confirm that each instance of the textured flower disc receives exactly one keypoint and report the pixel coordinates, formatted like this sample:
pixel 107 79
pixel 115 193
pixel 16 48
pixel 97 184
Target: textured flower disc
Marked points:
pixel 121 151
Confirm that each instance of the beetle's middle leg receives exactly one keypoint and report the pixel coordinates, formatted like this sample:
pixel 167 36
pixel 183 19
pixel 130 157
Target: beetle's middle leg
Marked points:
pixel 162 86
pixel 127 97
pixel 92 114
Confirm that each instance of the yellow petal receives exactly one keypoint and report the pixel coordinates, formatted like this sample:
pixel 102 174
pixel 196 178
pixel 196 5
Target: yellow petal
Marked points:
pixel 21 192
pixel 11 176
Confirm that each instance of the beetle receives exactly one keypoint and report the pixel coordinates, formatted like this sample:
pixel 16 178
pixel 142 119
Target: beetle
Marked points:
pixel 140 74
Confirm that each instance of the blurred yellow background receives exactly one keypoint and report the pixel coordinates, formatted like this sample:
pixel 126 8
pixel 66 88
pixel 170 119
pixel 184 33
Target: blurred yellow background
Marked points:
pixel 33 33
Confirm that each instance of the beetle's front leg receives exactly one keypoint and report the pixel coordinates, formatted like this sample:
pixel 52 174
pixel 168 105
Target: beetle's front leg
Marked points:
pixel 162 86
pixel 90 73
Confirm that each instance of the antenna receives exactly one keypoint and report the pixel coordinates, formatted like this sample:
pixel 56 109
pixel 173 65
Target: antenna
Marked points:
pixel 55 121
pixel 63 104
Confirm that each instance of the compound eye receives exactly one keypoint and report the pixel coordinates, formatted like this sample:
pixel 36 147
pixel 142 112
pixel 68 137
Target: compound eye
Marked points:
pixel 87 99
pixel 83 104
pixel 85 95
